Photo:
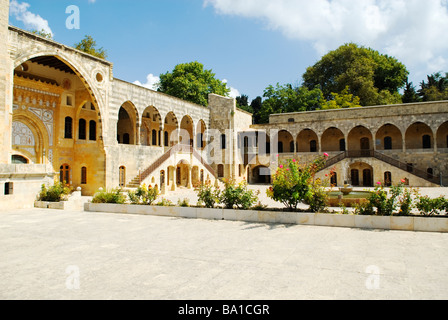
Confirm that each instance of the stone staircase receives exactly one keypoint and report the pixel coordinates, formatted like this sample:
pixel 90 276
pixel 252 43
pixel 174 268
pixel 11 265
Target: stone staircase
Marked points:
pixel 137 181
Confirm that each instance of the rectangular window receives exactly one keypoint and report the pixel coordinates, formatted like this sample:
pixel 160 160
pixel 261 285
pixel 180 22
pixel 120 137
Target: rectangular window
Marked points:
pixel 68 134
pixel 9 188
pixel 83 175
pixel 69 101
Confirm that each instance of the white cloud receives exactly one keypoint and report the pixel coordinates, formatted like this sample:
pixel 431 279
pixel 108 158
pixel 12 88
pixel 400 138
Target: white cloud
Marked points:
pixel 151 82
pixel 31 20
pixel 233 92
pixel 413 31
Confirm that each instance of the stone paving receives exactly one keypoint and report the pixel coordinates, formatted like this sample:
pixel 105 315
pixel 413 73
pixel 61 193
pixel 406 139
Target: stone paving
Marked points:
pixel 69 255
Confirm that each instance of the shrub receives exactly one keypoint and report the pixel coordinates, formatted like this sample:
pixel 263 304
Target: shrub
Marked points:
pixel 164 203
pixel 56 193
pixel 364 209
pixel 317 198
pixel 208 194
pixel 431 207
pixel 293 183
pixel 183 203
pixel 109 196
pixel 238 195
pixel 143 195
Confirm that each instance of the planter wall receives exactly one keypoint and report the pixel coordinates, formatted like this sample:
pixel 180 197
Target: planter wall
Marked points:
pixel 327 220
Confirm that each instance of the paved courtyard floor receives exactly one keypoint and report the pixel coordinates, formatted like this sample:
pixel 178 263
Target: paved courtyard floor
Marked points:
pixel 68 255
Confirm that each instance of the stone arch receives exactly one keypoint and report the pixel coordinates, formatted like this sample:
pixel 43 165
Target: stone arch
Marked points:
pixel 360 138
pixel 151 127
pixel 333 140
pixel 307 141
pixel 361 174
pixel 170 129
pixel 77 68
pixel 41 139
pixel 127 124
pixel 187 131
pixel 419 136
pixel 201 139
pixel 389 137
pixel 442 136
pixel 285 142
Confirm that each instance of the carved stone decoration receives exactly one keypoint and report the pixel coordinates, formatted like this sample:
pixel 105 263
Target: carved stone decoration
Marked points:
pixel 22 135
pixel 47 118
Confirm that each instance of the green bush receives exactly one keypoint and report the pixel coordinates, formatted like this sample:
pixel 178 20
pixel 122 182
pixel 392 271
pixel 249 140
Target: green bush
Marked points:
pixel 143 195
pixel 237 195
pixel 109 196
pixel 165 203
pixel 56 193
pixel 317 198
pixel 431 207
pixel 183 203
pixel 208 194
pixel 293 184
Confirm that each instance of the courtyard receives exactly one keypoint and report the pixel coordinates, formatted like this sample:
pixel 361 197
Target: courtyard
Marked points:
pixel 68 255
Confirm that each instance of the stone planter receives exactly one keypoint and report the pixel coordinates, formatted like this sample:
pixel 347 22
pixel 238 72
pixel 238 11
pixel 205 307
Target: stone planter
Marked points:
pixel 50 205
pixel 423 224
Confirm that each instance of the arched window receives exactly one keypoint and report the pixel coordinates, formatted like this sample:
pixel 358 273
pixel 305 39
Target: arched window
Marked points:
pixel 223 142
pixel 167 141
pixel 388 179
pixel 387 143
pixel 280 147
pixel 122 178
pixel 342 146
pixel 291 147
pixel 92 130
pixel 334 179
pixel 82 129
pixel 64 174
pixel 426 141
pixel 83 175
pixel 430 173
pixel 220 171
pixel 16 159
pixel 126 138
pixel 313 146
pixel 68 133
pixel 154 137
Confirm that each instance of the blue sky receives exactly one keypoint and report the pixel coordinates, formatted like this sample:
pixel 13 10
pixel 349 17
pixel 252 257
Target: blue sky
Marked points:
pixel 250 43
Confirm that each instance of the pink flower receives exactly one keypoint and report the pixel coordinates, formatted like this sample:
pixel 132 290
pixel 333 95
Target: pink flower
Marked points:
pixel 378 183
pixel 403 181
pixel 294 160
pixel 278 156
pixel 287 169
pixel 281 166
pixel 326 155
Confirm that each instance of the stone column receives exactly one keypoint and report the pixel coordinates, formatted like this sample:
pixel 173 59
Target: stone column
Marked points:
pixel 5 86
pixel 189 177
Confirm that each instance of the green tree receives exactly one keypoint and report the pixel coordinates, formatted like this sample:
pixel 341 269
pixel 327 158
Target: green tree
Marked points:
pixel 242 102
pixel 286 99
pixel 190 82
pixel 342 101
pixel 43 33
pixel 256 106
pixel 435 89
pixel 373 77
pixel 410 95
pixel 88 45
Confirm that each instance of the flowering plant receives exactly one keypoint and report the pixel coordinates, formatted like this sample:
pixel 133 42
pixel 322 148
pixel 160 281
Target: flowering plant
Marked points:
pixel 144 195
pixel 293 183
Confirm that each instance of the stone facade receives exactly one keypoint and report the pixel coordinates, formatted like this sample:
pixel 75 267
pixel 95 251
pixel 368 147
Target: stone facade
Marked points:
pixel 63 109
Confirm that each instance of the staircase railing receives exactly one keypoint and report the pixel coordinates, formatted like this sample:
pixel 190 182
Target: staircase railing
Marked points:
pixel 382 157
pixel 175 149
